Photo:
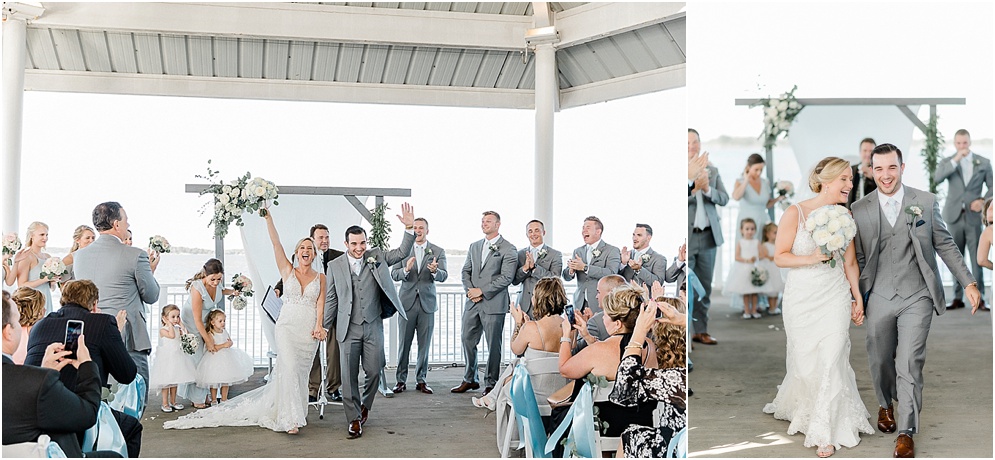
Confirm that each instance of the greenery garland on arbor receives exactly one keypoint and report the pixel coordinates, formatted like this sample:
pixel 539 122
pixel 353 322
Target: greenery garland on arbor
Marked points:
pixel 931 152
pixel 380 233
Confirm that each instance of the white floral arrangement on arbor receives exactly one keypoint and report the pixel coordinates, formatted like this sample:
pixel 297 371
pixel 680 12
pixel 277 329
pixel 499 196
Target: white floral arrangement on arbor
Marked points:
pixel 235 197
pixel 779 113
pixel 832 228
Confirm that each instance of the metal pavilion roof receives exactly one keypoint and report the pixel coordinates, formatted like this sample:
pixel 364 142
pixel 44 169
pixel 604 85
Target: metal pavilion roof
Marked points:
pixel 429 53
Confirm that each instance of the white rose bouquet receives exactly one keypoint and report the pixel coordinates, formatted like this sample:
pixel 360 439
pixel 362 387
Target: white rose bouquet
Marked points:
pixel 159 244
pixel 188 343
pixel 11 244
pixel 53 267
pixel 832 228
pixel 257 193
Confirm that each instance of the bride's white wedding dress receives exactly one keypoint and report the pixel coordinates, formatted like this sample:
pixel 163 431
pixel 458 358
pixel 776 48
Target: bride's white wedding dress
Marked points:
pixel 819 393
pixel 280 405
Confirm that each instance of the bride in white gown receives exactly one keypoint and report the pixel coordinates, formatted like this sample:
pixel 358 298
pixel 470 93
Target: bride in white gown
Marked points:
pixel 280 405
pixel 819 393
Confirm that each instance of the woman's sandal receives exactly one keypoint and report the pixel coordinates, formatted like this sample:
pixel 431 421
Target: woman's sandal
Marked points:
pixel 293 431
pixel 825 451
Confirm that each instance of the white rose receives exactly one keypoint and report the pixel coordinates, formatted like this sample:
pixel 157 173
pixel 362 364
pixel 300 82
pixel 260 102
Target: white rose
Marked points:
pixel 836 242
pixel 833 226
pixel 782 106
pixel 820 218
pixel 233 193
pixel 770 112
pixel 784 125
pixel 849 233
pixel 260 191
pixel 821 237
pixel 773 102
pixel 223 199
pixel 226 189
pixel 810 225
pixel 794 105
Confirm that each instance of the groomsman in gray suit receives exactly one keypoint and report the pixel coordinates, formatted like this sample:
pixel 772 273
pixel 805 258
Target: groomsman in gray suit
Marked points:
pixel 124 278
pixel 426 265
pixel 591 262
pixel 966 174
pixel 705 232
pixel 360 295
pixel 535 262
pixel 899 234
pixel 643 264
pixel 488 271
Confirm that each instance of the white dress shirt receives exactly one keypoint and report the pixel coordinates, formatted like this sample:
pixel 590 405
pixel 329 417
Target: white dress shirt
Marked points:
pixel 485 251
pixel 892 214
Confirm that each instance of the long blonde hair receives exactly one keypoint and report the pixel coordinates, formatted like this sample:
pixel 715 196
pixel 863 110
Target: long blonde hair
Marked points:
pixel 78 234
pixel 31 230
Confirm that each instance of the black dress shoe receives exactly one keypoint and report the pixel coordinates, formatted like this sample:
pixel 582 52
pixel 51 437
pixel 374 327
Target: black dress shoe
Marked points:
pixel 487 391
pixel 312 399
pixel 400 387
pixel 355 429
pixel 957 303
pixel 983 307
pixel 465 386
pixel 335 396
pixel 365 414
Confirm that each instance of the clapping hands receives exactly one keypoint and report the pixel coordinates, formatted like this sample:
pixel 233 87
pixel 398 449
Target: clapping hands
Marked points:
pixel 433 266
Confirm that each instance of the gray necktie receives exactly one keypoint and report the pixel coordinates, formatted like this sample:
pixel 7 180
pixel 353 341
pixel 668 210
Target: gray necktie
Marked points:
pixel 892 211
pixel 357 266
pixel 967 168
pixel 590 254
pixel 700 218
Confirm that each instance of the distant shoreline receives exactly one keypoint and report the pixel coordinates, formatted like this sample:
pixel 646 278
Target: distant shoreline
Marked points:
pixel 743 141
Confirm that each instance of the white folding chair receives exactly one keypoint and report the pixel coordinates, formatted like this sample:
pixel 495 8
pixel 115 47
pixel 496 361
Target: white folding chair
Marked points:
pixel 604 444
pixel 42 448
pixel 537 367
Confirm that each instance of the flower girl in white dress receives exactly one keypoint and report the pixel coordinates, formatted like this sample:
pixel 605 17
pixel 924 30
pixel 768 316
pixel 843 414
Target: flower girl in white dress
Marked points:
pixel 227 366
pixel 774 285
pixel 171 366
pixel 740 279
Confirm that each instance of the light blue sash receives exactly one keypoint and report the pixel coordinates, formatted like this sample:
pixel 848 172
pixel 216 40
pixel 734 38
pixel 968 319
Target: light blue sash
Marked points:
pixel 523 402
pixel 130 398
pixel 581 436
pixel 105 434
pixel 678 446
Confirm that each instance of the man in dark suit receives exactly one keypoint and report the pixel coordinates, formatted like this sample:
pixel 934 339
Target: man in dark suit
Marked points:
pixel 863 178
pixel 425 266
pixel 319 233
pixel 106 348
pixel 35 402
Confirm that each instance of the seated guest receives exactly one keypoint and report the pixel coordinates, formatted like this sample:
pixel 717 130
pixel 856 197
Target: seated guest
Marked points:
pixel 35 402
pixel 31 307
pixel 602 358
pixel 636 384
pixel 107 349
pixel 534 340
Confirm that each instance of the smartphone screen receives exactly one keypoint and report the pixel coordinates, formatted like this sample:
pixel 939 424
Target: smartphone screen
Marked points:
pixel 570 314
pixel 74 329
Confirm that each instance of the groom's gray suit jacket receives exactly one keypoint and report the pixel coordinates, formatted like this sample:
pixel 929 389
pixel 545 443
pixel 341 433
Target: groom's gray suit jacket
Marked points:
pixel 339 286
pixel 124 278
pixel 929 238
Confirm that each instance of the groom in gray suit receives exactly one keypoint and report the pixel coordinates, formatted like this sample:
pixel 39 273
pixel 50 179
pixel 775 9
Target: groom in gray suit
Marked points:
pixel 966 174
pixel 425 266
pixel 535 262
pixel 360 295
pixel 705 233
pixel 124 278
pixel 899 234
pixel 487 273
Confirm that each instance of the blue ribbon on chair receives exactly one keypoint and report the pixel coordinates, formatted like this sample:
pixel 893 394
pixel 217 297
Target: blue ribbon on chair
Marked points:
pixel 678 446
pixel 523 402
pixel 130 398
pixel 695 289
pixel 105 435
pixel 53 450
pixel 580 418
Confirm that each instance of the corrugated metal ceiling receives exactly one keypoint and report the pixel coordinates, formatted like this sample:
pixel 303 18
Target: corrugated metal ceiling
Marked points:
pixel 512 8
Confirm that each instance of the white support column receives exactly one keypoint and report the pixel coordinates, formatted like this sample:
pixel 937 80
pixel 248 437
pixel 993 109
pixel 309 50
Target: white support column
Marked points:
pixel 14 55
pixel 546 95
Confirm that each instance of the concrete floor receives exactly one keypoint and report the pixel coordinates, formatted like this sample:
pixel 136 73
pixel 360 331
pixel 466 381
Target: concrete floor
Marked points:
pixel 410 424
pixel 735 378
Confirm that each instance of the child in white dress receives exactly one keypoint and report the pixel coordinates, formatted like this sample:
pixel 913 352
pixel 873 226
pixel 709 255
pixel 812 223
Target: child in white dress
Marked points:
pixel 225 367
pixel 171 366
pixel 739 281
pixel 774 285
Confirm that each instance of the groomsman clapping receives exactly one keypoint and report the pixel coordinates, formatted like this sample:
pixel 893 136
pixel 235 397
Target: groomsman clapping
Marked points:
pixel 535 262
pixel 643 264
pixel 590 262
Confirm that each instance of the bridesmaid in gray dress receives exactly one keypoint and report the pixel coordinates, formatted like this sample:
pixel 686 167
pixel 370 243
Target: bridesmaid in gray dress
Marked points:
pixel 29 268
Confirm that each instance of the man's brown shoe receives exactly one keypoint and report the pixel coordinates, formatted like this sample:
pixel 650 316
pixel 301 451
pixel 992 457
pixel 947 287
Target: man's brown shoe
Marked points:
pixel 465 386
pixel 957 303
pixel 424 388
pixel 905 447
pixel 364 414
pixel 355 429
pixel 704 338
pixel 400 387
pixel 886 420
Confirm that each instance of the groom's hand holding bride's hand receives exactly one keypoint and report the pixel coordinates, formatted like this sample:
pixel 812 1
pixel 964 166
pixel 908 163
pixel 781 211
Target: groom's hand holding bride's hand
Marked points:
pixel 318 333
pixel 857 312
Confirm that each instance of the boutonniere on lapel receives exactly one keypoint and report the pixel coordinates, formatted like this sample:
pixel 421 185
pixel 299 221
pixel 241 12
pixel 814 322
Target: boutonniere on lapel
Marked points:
pixel 494 248
pixel 645 258
pixel 428 251
pixel 916 212
pixel 976 162
pixel 542 253
pixel 596 252
pixel 372 262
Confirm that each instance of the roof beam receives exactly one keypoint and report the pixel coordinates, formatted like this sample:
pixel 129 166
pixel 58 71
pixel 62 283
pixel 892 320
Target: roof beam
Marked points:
pixel 598 20
pixel 281 90
pixel 870 101
pixel 343 24
pixel 631 85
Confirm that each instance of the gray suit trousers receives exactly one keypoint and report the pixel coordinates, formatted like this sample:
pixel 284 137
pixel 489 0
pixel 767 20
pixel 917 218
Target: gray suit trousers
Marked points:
pixel 967 235
pixel 896 349
pixel 475 323
pixel 701 260
pixel 422 323
pixel 363 343
pixel 141 359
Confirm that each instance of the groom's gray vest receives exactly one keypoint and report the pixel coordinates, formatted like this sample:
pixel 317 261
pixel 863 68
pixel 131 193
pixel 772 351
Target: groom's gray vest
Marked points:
pixel 365 297
pixel 898 271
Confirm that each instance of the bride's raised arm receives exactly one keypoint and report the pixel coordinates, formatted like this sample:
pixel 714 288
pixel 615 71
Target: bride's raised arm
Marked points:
pixel 282 263
pixel 787 228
